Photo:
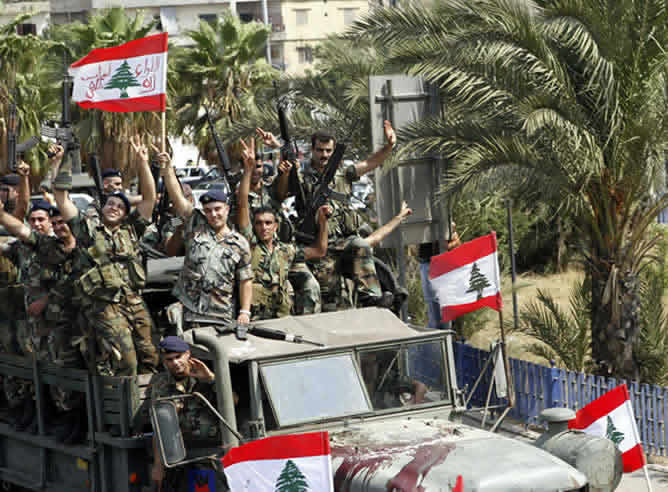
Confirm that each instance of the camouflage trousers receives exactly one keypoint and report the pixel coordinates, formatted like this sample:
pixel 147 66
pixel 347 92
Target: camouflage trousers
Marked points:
pixel 63 351
pixel 306 290
pixel 122 333
pixel 350 258
pixel 269 303
pixel 15 339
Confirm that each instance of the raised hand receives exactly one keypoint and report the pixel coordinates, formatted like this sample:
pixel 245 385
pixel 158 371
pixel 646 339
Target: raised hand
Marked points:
pixel 23 169
pixel 200 370
pixel 164 159
pixel 284 167
pixel 57 152
pixel 324 212
pixel 248 154
pixel 268 138
pixel 139 147
pixel 390 135
pixel 405 211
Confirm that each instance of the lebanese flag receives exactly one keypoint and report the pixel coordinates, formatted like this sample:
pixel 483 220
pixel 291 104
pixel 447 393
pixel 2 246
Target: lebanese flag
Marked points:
pixel 291 462
pixel 467 278
pixel 611 416
pixel 126 78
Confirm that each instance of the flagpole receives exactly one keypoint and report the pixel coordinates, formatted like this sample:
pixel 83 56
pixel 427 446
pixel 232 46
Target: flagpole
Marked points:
pixel 164 131
pixel 636 435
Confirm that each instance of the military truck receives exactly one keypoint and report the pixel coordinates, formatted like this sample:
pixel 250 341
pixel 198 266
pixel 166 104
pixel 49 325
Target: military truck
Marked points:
pixel 384 390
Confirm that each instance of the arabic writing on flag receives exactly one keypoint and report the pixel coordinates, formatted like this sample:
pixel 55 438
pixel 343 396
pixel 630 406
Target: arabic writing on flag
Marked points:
pixel 611 416
pixel 126 78
pixel 467 278
pixel 281 463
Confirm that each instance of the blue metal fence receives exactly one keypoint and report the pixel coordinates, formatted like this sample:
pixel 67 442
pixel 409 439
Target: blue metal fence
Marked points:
pixel 538 387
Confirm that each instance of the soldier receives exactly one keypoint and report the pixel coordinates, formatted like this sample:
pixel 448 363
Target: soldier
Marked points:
pixel 270 258
pixel 185 375
pixel 58 262
pixel 111 289
pixel 217 261
pixel 349 256
pixel 112 181
pixel 165 242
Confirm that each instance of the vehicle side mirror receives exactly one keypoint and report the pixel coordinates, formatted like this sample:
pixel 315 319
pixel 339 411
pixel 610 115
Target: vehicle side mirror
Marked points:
pixel 167 432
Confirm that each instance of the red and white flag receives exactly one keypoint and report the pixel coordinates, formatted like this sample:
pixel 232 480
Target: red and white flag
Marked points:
pixel 467 278
pixel 281 463
pixel 611 416
pixel 126 78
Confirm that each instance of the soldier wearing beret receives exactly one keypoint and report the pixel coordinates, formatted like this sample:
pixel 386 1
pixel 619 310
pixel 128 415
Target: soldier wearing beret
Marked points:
pixel 217 270
pixel 185 374
pixel 111 288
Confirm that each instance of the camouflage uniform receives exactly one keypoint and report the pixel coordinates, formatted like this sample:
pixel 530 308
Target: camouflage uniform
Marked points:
pixel 348 255
pixel 271 288
pixel 157 241
pixel 110 295
pixel 199 426
pixel 13 326
pixel 211 270
pixel 56 271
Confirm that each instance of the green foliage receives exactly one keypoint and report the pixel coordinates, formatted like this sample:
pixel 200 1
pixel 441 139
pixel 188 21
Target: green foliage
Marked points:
pixel 563 336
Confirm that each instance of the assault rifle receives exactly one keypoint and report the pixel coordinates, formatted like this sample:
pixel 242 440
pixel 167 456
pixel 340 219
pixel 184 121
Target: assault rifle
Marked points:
pixel 94 166
pixel 308 228
pixel 16 151
pixel 222 155
pixel 289 153
pixel 62 131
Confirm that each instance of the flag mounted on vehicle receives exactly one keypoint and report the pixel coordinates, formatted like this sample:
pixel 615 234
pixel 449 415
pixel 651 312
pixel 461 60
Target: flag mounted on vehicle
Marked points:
pixel 467 278
pixel 611 416
pixel 281 464
pixel 126 78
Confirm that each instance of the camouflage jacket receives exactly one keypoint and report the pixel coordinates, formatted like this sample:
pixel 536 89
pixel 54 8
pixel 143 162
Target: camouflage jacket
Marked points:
pixel 211 269
pixel 196 421
pixel 54 272
pixel 157 241
pixel 11 290
pixel 344 221
pixel 117 272
pixel 24 257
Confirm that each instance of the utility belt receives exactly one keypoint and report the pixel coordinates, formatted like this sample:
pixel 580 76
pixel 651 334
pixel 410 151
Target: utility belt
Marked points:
pixel 104 282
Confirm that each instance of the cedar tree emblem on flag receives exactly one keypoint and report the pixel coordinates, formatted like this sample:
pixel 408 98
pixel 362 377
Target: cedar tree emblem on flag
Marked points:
pixel 122 79
pixel 291 479
pixel 611 416
pixel 467 278
pixel 290 463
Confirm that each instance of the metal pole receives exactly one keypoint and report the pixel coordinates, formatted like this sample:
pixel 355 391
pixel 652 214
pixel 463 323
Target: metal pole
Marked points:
pixel 265 18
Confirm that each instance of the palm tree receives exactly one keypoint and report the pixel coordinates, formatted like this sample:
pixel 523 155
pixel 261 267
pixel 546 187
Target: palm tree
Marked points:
pixel 567 98
pixel 23 59
pixel 103 132
pixel 222 71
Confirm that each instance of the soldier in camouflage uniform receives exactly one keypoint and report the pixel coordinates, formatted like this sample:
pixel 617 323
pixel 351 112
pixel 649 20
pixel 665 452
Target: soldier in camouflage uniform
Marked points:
pixel 270 258
pixel 307 297
pixel 110 291
pixel 217 261
pixel 165 242
pixel 349 256
pixel 199 426
pixel 57 263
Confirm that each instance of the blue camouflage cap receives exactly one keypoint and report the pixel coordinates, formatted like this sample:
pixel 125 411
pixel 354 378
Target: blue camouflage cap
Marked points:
pixel 10 180
pixel 173 344
pixel 215 195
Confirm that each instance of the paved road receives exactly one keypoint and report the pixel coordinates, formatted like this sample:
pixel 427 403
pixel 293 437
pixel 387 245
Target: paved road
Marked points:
pixel 635 482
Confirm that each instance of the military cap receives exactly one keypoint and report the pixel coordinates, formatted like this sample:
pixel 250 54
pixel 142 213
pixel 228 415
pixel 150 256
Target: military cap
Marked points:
pixel 10 180
pixel 121 195
pixel 41 205
pixel 213 196
pixel 173 344
pixel 111 173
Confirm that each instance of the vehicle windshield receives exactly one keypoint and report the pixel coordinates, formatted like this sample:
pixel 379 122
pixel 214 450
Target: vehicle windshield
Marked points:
pixel 360 382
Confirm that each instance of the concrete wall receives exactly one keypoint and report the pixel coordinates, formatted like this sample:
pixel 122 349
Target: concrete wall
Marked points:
pixel 9 11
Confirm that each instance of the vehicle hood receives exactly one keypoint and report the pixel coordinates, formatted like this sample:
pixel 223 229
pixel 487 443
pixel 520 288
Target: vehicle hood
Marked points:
pixel 423 455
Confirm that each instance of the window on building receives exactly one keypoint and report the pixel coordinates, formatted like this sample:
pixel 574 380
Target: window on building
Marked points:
pixel 305 54
pixel 349 16
pixel 25 29
pixel 208 17
pixel 246 17
pixel 302 16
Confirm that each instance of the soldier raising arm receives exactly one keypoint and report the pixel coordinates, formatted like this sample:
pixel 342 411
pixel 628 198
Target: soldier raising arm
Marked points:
pixel 216 257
